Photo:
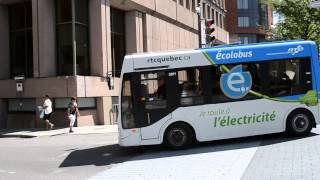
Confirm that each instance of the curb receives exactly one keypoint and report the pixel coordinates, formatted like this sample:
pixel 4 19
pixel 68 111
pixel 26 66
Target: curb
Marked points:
pixel 31 133
pixel 13 135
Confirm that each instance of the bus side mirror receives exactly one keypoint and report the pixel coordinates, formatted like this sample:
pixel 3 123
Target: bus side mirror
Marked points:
pixel 110 81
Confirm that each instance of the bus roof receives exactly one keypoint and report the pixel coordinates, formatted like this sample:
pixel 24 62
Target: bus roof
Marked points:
pixel 223 54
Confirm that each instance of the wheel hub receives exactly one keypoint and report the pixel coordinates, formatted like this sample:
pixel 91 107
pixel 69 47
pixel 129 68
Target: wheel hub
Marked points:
pixel 300 122
pixel 178 137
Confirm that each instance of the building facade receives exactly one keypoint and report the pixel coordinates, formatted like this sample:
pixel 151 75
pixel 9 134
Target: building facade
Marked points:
pixel 248 21
pixel 67 48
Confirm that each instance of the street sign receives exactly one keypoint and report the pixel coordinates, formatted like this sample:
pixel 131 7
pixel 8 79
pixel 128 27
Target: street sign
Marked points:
pixel 314 4
pixel 203 32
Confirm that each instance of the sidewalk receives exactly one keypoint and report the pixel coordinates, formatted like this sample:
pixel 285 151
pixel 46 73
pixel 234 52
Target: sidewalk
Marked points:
pixel 101 129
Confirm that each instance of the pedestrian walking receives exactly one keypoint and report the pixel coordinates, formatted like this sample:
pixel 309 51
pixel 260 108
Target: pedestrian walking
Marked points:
pixel 73 112
pixel 47 108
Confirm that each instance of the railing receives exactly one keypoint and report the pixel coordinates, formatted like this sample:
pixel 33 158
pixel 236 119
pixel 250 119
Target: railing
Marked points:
pixel 114 111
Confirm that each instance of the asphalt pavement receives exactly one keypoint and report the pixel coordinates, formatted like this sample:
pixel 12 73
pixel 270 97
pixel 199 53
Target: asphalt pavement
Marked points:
pixel 98 156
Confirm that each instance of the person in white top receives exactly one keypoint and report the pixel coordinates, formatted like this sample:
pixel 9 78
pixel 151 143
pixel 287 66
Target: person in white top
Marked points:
pixel 47 106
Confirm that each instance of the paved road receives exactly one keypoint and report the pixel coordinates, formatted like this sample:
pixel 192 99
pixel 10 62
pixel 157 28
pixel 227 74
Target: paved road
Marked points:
pixel 97 156
pixel 56 157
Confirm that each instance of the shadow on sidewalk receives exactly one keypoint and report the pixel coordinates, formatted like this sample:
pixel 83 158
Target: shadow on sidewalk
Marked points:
pixel 112 154
pixel 24 133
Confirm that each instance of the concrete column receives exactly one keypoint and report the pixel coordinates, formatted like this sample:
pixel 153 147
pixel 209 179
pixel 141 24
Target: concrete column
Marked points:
pixel 44 38
pixel 104 113
pixel 147 33
pixel 100 37
pixel 4 43
pixel 134 32
pixel 3 114
pixel 38 123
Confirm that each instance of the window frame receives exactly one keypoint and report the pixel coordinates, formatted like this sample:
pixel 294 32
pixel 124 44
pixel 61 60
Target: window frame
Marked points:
pixel 181 2
pixel 243 21
pixel 25 30
pixel 115 34
pixel 75 25
pixel 242 4
pixel 188 4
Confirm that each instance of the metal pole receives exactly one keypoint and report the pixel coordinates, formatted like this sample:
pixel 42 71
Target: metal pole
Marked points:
pixel 74 42
pixel 199 30
pixel 198 11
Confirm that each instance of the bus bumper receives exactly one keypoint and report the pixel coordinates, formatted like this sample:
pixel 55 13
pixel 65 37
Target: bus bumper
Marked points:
pixel 130 137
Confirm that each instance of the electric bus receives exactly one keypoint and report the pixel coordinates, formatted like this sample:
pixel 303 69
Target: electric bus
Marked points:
pixel 221 92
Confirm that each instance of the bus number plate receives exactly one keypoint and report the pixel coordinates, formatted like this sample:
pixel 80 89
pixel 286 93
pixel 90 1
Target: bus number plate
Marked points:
pixel 171 74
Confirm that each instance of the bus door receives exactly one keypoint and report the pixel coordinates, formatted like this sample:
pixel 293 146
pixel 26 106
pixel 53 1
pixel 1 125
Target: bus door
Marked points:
pixel 158 98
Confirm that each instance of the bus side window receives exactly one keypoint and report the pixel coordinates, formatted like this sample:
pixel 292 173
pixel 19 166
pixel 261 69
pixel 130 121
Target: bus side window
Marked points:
pixel 214 78
pixel 255 72
pixel 191 89
pixel 153 90
pixel 288 77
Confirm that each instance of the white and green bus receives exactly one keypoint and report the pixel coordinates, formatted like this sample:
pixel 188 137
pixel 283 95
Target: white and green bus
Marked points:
pixel 222 92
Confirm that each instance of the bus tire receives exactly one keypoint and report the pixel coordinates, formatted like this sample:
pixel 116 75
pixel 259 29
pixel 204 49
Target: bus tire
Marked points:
pixel 299 122
pixel 179 136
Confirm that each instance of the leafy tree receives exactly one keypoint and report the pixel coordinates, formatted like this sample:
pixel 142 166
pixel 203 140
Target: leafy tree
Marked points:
pixel 298 21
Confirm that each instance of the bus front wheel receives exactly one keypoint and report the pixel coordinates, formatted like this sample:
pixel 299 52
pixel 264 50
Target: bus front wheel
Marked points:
pixel 299 122
pixel 179 136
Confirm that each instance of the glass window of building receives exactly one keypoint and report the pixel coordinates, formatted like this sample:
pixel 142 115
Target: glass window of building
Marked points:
pixel 203 10
pixel 217 18
pixel 247 38
pixel 21 105
pixel 243 21
pixel 244 40
pixel 188 4
pixel 212 12
pixel 193 6
pixel 263 15
pixel 83 103
pixel 21 50
pixel 242 4
pixel 117 40
pixel 181 2
pixel 66 36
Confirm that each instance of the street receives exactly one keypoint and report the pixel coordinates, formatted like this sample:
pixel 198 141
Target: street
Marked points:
pixel 97 156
